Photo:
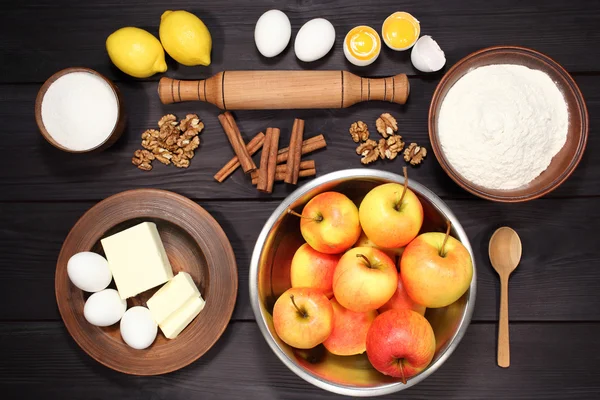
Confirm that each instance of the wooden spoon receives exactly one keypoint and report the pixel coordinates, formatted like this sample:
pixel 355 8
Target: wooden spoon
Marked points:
pixel 505 254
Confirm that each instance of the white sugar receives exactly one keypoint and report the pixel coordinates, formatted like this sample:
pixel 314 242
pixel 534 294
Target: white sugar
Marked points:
pixel 79 110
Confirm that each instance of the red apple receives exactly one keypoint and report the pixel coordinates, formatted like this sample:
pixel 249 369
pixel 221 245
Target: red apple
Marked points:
pixel 364 279
pixel 303 317
pixel 391 215
pixel 329 223
pixel 401 301
pixel 400 343
pixel 349 334
pixel 436 269
pixel 311 268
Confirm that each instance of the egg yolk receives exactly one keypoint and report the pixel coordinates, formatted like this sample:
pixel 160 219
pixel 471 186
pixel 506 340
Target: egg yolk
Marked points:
pixel 400 30
pixel 363 42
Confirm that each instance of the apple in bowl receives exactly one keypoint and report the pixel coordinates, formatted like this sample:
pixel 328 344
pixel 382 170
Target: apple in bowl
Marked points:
pixel 391 215
pixel 311 268
pixel 329 223
pixel 436 269
pixel 303 317
pixel 364 279
pixel 400 343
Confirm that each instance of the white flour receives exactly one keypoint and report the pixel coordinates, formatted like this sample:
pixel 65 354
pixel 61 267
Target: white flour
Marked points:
pixel 79 110
pixel 500 125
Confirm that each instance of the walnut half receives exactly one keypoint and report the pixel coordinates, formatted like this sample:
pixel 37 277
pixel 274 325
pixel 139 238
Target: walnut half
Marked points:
pixel 359 131
pixel 369 151
pixel 414 154
pixel 386 125
pixel 390 147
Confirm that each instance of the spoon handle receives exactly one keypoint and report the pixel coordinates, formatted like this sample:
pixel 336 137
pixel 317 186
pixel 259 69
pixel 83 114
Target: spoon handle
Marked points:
pixel 503 342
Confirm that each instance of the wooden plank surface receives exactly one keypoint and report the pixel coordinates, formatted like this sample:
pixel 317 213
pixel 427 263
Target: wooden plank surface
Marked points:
pixel 554 295
pixel 65 33
pixel 43 362
pixel 32 170
pixel 558 278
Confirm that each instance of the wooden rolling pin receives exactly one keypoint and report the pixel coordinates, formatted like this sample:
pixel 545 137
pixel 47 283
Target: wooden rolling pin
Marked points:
pixel 253 90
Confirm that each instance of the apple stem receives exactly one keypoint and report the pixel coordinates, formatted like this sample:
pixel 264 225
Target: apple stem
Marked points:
pixel 318 218
pixel 399 202
pixel 448 226
pixel 401 363
pixel 364 258
pixel 302 312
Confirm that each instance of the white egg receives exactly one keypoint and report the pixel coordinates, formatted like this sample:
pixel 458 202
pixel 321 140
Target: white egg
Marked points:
pixel 138 328
pixel 427 56
pixel 314 40
pixel 104 308
pixel 89 271
pixel 272 33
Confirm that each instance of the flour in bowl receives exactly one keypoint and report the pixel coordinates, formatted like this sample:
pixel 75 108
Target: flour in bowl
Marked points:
pixel 500 125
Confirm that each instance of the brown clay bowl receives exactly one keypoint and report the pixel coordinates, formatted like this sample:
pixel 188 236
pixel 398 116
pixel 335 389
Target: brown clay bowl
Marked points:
pixel 194 242
pixel 562 165
pixel 109 141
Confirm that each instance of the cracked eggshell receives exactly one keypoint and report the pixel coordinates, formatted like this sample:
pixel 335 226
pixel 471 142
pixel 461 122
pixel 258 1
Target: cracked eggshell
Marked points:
pixel 314 40
pixel 427 56
pixel 272 33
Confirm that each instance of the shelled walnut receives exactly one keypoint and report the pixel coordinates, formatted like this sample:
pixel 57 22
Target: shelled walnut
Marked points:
pixel 369 151
pixel 390 147
pixel 143 159
pixel 174 142
pixel 386 125
pixel 414 154
pixel 359 131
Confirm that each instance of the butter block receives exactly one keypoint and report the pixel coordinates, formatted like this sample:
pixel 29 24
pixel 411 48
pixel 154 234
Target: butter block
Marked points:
pixel 137 259
pixel 176 322
pixel 172 296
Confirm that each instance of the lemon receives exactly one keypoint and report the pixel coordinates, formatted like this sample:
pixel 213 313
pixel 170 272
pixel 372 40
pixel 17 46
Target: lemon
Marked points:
pixel 185 37
pixel 136 52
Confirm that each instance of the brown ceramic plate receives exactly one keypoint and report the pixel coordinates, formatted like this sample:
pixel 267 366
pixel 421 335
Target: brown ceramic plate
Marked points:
pixel 562 165
pixel 194 243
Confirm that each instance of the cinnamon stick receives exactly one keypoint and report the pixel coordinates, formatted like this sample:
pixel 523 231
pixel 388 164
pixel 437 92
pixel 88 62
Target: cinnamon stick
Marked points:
pixel 294 152
pixel 253 146
pixel 237 142
pixel 308 146
pixel 306 164
pixel 280 176
pixel 268 161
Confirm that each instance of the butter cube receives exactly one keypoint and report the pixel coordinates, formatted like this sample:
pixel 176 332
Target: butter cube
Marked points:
pixel 137 259
pixel 176 322
pixel 172 296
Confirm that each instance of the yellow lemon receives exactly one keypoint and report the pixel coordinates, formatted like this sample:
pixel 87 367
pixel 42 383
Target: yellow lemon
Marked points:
pixel 136 52
pixel 185 37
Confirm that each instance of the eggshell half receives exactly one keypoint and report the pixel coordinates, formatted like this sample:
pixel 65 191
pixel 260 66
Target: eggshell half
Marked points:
pixel 427 56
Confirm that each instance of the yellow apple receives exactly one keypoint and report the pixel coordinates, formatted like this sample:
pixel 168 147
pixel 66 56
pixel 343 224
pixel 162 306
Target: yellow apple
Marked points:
pixel 329 223
pixel 364 279
pixel 311 268
pixel 364 241
pixel 436 274
pixel 391 215
pixel 303 317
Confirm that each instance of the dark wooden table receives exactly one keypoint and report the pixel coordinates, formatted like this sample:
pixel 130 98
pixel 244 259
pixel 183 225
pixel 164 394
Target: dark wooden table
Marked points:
pixel 555 293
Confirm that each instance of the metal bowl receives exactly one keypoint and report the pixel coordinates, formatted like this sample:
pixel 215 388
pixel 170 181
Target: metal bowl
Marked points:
pixel 270 277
